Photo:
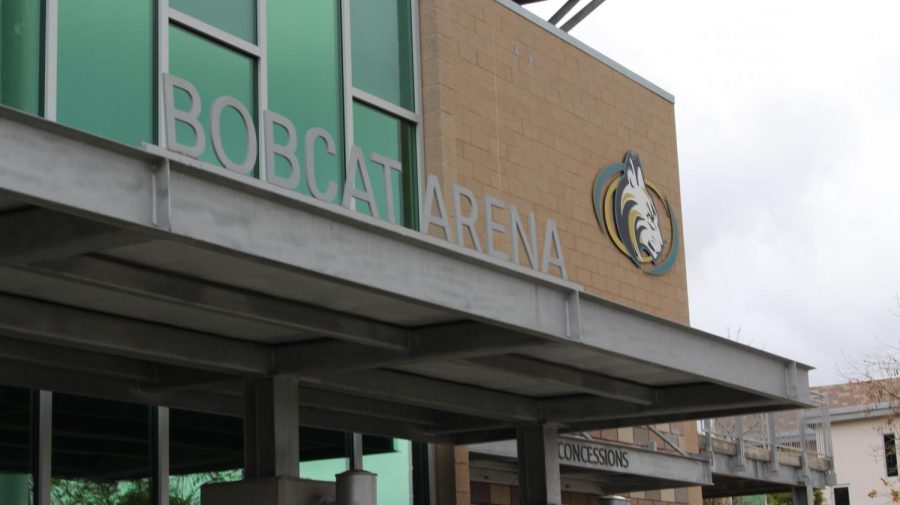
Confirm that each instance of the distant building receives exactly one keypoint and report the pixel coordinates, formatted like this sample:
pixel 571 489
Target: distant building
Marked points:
pixel 865 449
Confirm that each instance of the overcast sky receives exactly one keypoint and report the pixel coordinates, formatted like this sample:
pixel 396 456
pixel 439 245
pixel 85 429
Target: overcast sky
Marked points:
pixel 788 122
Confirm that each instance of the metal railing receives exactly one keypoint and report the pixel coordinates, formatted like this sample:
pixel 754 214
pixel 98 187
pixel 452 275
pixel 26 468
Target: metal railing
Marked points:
pixel 803 432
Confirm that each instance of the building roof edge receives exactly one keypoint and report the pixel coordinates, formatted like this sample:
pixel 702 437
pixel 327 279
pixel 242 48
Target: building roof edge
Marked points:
pixel 597 55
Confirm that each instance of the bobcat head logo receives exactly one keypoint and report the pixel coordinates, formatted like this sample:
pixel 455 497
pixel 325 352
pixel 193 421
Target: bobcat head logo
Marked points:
pixel 626 206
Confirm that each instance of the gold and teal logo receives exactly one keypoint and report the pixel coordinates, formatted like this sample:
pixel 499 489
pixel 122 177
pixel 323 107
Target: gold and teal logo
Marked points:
pixel 626 206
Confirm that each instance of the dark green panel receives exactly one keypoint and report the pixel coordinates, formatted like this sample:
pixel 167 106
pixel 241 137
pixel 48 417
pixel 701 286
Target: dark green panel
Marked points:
pixel 16 446
pixel 20 54
pixel 381 40
pixel 237 17
pixel 107 70
pixel 215 71
pixel 305 81
pixel 100 452
pixel 377 132
pixel 204 448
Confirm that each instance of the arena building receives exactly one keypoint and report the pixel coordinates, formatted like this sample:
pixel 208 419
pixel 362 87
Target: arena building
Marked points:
pixel 271 249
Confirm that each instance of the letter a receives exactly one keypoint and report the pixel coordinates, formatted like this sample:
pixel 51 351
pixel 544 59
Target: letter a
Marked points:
pixel 551 244
pixel 434 195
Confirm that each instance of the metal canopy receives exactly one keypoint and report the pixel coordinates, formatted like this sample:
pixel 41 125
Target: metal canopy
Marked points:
pixel 152 278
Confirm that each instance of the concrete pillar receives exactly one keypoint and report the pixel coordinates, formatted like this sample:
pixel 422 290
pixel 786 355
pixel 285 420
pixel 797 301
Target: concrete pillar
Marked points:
pixel 271 428
pixel 538 453
pixel 356 487
pixel 271 452
pixel 803 495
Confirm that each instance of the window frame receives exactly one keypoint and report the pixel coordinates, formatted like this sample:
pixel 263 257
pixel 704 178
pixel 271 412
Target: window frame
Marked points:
pixel 353 94
pixel 167 16
pixel 834 493
pixel 889 448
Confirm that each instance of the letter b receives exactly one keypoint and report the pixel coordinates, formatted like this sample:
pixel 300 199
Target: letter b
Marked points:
pixel 190 118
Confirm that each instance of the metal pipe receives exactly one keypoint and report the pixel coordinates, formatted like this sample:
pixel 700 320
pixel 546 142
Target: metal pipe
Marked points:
pixel 580 15
pixel 561 13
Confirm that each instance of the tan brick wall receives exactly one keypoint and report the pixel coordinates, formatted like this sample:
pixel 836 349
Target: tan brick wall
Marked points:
pixel 858 394
pixel 535 128
pixel 514 112
pixel 452 475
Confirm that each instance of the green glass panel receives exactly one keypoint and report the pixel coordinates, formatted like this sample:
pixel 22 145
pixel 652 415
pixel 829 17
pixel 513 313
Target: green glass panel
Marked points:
pixel 378 133
pixel 215 71
pixel 394 470
pixel 106 71
pixel 20 54
pixel 237 17
pixel 305 83
pixel 381 39
pixel 323 469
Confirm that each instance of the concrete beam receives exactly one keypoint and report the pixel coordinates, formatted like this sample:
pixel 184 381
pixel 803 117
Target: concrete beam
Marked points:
pixel 587 382
pixel 693 399
pixel 451 341
pixel 370 407
pixel 338 421
pixel 36 376
pixel 435 394
pixel 39 234
pixel 76 360
pixel 61 325
pixel 207 297
pixel 628 332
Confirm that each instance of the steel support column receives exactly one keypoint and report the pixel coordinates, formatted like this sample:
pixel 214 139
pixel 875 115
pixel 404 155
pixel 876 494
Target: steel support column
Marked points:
pixel 271 452
pixel 160 452
pixel 271 433
pixel 538 455
pixel 803 495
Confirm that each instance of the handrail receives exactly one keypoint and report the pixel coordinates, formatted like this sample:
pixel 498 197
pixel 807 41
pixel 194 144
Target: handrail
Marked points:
pixel 804 432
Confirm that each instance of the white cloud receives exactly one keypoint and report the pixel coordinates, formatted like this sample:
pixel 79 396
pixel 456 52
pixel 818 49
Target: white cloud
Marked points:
pixel 788 115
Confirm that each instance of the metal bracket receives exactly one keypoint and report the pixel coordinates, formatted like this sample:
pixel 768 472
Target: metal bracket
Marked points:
pixel 775 463
pixel 573 316
pixel 161 203
pixel 707 434
pixel 740 463
pixel 793 387
pixel 666 440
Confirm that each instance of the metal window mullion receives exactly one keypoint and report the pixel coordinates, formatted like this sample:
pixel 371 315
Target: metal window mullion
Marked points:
pixel 432 475
pixel 262 84
pixel 386 106
pixel 417 92
pixel 160 448
pixel 42 436
pixel 211 32
pixel 347 78
pixel 162 63
pixel 51 60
